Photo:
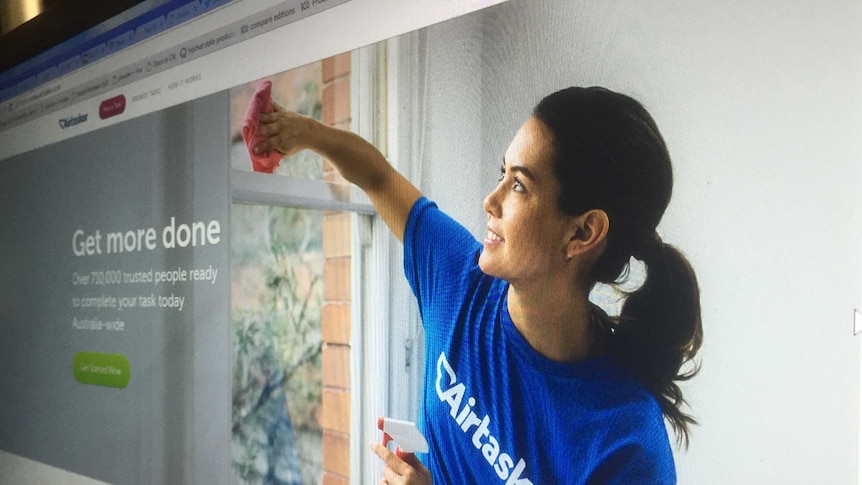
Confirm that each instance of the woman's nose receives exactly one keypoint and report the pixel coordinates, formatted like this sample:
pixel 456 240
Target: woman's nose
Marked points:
pixel 491 204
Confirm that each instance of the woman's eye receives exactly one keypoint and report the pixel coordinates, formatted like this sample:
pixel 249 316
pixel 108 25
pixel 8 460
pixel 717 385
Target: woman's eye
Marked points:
pixel 502 174
pixel 518 186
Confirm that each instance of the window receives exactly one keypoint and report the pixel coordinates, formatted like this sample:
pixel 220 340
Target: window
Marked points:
pixel 292 258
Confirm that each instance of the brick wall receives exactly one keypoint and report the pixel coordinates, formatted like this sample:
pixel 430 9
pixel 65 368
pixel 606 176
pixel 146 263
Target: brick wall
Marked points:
pixel 335 412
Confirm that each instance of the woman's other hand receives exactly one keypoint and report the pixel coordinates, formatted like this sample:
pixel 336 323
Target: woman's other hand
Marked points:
pixel 401 468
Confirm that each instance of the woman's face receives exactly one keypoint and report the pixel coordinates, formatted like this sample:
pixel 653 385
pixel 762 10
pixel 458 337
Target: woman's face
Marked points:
pixel 527 232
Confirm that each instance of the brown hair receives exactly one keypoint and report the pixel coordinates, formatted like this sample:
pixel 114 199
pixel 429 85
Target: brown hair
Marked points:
pixel 609 155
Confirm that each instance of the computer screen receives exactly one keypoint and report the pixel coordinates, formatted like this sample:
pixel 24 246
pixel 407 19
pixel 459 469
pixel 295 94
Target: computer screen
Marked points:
pixel 177 308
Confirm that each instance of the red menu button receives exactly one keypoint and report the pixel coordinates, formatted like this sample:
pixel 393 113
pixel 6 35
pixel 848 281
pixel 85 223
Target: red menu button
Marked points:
pixel 112 107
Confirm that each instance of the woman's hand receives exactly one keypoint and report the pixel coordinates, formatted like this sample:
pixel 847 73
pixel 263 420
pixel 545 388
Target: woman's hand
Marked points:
pixel 403 468
pixel 284 131
pixel 357 160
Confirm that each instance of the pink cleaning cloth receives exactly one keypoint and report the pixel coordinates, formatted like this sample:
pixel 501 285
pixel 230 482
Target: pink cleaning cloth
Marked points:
pixel 260 103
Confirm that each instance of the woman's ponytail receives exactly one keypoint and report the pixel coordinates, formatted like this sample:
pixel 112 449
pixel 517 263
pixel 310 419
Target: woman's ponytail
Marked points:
pixel 659 331
pixel 610 155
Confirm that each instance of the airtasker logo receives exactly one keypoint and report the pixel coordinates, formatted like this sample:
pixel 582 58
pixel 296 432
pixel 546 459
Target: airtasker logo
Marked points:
pixel 73 120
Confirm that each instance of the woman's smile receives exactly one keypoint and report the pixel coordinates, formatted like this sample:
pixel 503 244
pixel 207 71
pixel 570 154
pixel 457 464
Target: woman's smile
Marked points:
pixel 492 238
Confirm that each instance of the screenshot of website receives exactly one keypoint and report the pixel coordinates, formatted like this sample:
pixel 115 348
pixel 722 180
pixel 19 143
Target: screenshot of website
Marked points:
pixel 177 308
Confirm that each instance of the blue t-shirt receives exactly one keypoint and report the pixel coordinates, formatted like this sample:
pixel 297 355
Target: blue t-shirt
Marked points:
pixel 496 411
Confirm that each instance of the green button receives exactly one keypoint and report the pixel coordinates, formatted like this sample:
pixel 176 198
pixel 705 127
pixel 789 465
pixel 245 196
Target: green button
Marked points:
pixel 98 369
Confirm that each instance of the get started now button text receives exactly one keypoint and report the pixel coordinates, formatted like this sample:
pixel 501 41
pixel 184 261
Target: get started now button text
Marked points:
pixel 98 369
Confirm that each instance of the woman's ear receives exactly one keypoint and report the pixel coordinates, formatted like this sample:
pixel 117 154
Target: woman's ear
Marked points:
pixel 590 231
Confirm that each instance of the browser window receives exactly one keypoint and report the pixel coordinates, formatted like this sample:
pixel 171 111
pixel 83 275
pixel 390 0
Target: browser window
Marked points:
pixel 179 309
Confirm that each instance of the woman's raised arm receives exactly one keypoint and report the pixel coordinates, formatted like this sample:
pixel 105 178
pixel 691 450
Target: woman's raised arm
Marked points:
pixel 357 160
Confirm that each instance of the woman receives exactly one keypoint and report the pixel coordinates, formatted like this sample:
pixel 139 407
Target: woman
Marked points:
pixel 526 380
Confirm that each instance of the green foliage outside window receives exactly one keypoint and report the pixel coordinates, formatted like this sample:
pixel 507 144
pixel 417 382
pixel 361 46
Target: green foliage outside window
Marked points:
pixel 277 293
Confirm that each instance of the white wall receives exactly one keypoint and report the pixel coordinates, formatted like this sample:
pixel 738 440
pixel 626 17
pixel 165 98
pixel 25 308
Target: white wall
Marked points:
pixel 761 106
pixel 452 155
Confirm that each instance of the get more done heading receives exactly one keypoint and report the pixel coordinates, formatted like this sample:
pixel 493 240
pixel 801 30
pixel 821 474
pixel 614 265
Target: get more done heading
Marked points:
pixel 135 240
